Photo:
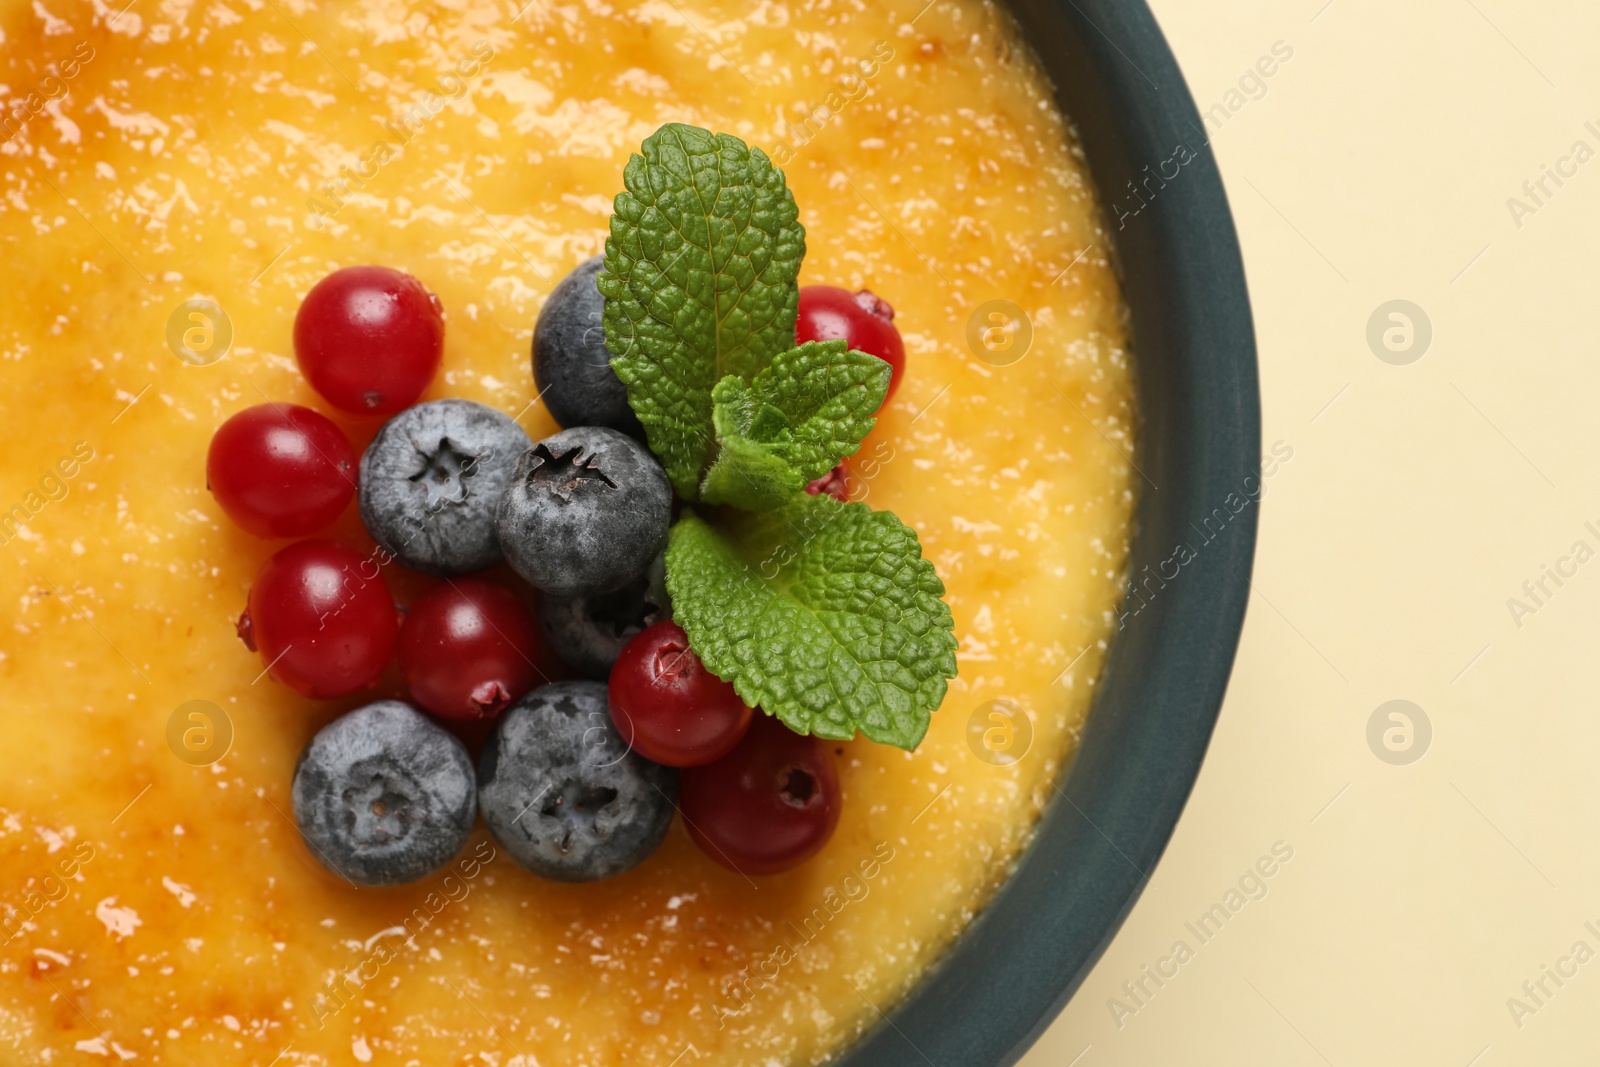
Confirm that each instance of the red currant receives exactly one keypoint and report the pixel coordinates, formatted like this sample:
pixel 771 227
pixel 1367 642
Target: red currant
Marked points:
pixel 369 339
pixel 667 706
pixel 836 483
pixel 768 805
pixel 281 470
pixel 864 320
pixel 322 619
pixel 467 649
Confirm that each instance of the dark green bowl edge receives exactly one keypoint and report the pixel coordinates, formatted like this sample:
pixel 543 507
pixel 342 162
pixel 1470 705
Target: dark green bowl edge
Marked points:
pixel 1015 967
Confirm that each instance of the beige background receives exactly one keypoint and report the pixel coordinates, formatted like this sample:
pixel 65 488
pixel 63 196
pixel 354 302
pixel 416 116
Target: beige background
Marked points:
pixel 1378 166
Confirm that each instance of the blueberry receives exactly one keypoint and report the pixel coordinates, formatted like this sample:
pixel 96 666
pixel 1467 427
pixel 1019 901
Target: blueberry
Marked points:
pixel 563 793
pixel 585 512
pixel 431 480
pixel 571 362
pixel 588 632
pixel 383 796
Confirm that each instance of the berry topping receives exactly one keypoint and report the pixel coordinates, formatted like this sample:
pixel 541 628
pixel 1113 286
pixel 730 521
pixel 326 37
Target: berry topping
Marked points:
pixel 862 319
pixel 562 792
pixel 369 339
pixel 383 796
pixel 571 363
pixel 467 648
pixel 586 512
pixel 431 480
pixel 768 805
pixel 280 470
pixel 322 619
pixel 589 632
pixel 668 706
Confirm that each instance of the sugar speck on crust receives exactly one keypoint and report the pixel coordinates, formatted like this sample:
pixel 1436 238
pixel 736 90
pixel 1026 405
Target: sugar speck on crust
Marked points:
pixel 119 921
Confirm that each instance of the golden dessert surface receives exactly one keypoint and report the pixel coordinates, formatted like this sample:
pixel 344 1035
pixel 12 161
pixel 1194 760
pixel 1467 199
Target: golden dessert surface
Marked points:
pixel 159 912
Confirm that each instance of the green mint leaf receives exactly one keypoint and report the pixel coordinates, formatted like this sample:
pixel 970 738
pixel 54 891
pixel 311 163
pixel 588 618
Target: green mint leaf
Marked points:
pixel 794 422
pixel 699 283
pixel 821 613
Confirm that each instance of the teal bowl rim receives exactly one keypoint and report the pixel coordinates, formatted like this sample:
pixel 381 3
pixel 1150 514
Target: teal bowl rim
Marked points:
pixel 1177 254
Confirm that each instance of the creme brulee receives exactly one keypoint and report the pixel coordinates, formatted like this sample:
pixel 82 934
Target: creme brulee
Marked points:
pixel 159 910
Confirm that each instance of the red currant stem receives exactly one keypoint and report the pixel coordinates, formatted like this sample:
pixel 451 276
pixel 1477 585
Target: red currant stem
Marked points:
pixel 246 630
pixel 490 698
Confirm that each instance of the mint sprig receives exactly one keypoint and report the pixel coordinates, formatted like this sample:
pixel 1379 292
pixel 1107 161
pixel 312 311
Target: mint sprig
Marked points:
pixel 699 283
pixel 793 423
pixel 821 613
